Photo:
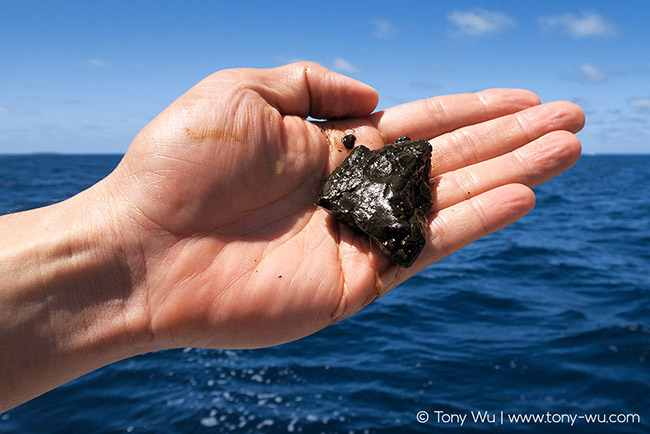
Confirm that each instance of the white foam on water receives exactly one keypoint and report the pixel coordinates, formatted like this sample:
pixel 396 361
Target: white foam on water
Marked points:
pixel 209 421
pixel 265 422
pixel 292 425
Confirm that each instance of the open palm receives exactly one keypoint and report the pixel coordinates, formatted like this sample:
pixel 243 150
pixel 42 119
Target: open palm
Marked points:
pixel 219 192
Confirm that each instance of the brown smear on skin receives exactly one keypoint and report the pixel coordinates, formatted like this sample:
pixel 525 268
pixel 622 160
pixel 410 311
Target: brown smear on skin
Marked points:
pixel 214 133
pixel 436 162
pixel 335 147
pixel 333 139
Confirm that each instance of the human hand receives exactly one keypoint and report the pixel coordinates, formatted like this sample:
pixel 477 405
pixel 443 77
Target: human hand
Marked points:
pixel 215 197
pixel 207 234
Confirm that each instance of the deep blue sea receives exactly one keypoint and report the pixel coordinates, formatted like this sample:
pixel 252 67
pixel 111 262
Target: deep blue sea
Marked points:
pixel 549 317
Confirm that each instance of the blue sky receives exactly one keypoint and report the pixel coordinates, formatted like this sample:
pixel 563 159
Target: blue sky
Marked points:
pixel 85 77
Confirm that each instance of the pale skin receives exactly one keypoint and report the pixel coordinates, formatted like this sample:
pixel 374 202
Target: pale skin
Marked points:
pixel 207 235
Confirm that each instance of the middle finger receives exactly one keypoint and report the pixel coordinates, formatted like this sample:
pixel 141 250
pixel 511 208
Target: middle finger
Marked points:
pixel 480 142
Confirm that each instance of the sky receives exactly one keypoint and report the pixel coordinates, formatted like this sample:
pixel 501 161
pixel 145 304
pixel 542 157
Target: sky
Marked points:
pixel 86 76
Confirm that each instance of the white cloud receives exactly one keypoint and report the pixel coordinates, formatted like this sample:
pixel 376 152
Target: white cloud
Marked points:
pixel 590 72
pixel 343 65
pixel 479 22
pixel 641 102
pixel 98 63
pixel 383 28
pixel 586 25
pixel 4 111
pixel 593 73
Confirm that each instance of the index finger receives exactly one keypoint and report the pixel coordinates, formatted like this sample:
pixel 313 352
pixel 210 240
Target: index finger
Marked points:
pixel 429 118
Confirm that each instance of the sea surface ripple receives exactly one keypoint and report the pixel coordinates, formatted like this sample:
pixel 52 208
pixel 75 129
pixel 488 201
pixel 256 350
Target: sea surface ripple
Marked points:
pixel 551 315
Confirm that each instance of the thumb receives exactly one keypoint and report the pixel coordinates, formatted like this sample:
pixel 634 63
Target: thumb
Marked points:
pixel 308 89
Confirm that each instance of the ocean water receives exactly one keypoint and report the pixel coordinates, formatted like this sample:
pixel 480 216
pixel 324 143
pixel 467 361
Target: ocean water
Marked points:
pixel 549 317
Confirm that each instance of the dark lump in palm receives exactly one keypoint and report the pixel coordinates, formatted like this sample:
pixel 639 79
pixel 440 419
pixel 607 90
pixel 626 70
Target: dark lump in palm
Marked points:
pixel 384 194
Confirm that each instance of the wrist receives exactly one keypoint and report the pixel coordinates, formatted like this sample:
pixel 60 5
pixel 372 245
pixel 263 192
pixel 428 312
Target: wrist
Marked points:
pixel 108 275
pixel 68 302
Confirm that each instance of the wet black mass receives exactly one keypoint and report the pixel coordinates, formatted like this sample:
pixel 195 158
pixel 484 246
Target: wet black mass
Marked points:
pixel 385 194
